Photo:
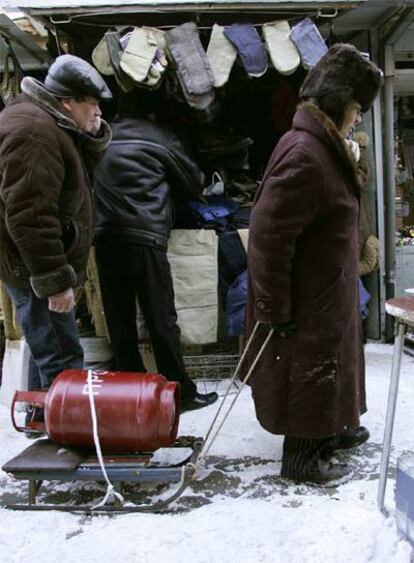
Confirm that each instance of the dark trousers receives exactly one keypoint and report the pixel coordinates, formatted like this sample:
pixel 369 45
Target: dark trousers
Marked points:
pixel 130 271
pixel 53 338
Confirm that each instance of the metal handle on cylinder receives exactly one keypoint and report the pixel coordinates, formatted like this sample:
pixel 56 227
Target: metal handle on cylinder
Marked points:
pixel 37 398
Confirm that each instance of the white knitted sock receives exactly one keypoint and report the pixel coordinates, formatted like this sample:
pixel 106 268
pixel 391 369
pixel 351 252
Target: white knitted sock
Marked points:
pixel 282 50
pixel 221 55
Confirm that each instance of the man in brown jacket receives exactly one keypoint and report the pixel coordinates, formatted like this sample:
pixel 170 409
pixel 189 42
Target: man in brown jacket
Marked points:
pixel 50 136
pixel 303 273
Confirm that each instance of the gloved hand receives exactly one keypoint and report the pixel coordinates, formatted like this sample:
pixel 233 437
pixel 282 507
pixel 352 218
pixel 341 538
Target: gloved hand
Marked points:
pixel 281 330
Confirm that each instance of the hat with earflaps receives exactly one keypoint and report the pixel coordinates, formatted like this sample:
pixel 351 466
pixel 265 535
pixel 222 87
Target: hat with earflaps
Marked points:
pixel 346 74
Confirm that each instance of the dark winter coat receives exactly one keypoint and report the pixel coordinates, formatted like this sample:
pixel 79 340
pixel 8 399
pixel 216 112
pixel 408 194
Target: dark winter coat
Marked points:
pixel 45 193
pixel 303 266
pixel 144 168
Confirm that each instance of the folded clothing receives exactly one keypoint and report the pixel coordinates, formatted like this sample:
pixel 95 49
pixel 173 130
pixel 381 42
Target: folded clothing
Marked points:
pixel 232 259
pixel 236 305
pixel 216 207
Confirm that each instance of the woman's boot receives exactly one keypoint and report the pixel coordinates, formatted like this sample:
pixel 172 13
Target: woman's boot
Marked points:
pixel 346 440
pixel 302 461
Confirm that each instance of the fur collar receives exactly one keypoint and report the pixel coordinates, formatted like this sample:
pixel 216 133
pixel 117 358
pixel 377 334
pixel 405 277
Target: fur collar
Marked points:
pixel 341 147
pixel 38 93
pixel 35 90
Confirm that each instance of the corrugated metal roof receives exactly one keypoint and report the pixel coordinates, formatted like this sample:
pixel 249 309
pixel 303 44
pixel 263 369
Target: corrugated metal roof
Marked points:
pixel 65 4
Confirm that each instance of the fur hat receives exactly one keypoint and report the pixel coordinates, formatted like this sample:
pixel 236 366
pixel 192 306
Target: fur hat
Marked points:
pixel 345 74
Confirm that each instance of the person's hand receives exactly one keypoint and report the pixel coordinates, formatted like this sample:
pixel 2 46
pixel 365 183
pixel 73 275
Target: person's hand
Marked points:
pixel 281 330
pixel 63 302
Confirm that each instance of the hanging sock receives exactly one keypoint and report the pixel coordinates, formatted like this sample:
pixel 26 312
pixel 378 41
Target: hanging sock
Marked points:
pixel 221 55
pixel 124 81
pixel 138 54
pixel 193 69
pixel 158 35
pixel 251 50
pixel 282 50
pixel 159 63
pixel 309 42
pixel 100 58
pixel 143 57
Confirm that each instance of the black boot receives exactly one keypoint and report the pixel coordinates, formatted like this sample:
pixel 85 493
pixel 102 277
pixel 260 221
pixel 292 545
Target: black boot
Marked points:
pixel 302 463
pixel 199 401
pixel 352 438
pixel 346 440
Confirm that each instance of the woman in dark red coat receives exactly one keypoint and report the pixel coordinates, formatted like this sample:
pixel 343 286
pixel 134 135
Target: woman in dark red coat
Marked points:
pixel 303 271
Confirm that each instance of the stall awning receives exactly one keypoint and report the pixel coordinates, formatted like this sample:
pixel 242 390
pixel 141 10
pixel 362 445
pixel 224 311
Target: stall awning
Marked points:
pixel 74 16
pixel 59 4
pixel 49 7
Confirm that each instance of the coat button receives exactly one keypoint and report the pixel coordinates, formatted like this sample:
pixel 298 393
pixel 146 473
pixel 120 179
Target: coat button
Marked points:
pixel 261 305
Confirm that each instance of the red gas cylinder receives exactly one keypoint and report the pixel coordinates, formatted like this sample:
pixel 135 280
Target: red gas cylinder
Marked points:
pixel 136 412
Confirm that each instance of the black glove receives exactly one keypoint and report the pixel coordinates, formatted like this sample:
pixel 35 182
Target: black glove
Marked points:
pixel 281 330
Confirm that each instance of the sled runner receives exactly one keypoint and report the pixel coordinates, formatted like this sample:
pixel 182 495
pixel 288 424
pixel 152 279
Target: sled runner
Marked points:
pixel 47 461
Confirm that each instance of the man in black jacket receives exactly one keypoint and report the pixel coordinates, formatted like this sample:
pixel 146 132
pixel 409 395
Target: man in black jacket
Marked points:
pixel 144 167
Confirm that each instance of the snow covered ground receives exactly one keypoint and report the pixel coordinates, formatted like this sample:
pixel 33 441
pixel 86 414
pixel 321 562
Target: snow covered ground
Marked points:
pixel 238 510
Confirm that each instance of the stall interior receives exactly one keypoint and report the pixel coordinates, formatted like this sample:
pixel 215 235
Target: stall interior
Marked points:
pixel 230 93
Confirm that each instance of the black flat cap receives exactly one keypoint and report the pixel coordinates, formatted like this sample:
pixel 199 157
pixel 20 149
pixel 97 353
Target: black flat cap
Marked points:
pixel 70 76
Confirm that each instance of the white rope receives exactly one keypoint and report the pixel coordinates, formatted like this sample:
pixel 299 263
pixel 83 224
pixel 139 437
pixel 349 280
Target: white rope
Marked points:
pixel 207 446
pixel 110 491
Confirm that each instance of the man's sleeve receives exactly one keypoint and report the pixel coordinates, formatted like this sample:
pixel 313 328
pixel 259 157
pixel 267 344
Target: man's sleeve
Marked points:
pixel 185 176
pixel 288 202
pixel 33 175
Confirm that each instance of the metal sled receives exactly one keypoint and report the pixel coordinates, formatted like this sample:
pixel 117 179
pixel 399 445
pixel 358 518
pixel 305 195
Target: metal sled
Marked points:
pixel 46 461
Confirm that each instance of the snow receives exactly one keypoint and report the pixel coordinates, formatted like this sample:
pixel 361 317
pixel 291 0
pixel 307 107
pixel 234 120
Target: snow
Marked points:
pixel 238 509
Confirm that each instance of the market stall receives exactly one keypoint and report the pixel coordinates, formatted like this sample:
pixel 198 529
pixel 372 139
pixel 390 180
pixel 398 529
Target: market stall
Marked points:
pixel 230 106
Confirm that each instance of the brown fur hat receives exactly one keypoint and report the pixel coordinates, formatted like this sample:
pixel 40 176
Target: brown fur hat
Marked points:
pixel 344 74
